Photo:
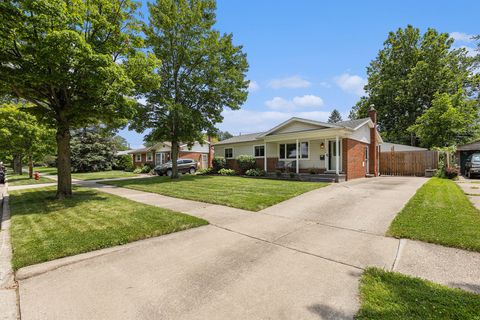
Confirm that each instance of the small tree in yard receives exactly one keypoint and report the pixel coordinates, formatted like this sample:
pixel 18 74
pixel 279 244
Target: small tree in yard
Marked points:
pixel 75 61
pixel 202 72
pixel 22 136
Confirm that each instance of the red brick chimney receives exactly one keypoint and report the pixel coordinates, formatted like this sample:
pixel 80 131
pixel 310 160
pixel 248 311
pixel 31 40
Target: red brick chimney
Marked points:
pixel 373 150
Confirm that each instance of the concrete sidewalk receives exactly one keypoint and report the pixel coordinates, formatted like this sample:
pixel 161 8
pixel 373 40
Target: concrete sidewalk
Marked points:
pixel 279 263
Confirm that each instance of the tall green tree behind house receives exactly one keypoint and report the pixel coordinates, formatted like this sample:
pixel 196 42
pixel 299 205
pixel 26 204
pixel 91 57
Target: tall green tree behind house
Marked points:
pixel 76 61
pixel 407 74
pixel 202 72
pixel 335 116
pixel 451 120
pixel 22 136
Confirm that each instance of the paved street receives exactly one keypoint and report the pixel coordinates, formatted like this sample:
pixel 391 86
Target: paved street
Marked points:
pixel 300 259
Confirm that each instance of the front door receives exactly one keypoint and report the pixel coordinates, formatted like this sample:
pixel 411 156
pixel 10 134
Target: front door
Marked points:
pixel 204 161
pixel 332 155
pixel 160 158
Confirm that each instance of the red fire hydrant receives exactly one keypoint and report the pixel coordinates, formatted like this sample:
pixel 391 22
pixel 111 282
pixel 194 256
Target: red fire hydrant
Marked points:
pixel 36 175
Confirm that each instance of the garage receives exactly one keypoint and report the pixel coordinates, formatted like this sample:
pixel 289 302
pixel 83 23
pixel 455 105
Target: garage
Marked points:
pixel 464 151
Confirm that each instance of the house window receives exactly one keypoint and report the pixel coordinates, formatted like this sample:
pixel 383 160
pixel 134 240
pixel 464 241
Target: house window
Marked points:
pixel 289 151
pixel 149 156
pixel 138 157
pixel 259 151
pixel 228 153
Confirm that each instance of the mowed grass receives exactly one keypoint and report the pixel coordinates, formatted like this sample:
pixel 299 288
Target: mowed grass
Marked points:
pixel 112 174
pixel 45 170
pixel 24 179
pixel 244 193
pixel 439 213
pixel 44 229
pixel 391 296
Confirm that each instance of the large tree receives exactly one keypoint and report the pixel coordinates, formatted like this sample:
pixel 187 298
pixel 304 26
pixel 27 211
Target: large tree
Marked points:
pixel 335 116
pixel 407 73
pixel 68 59
pixel 202 72
pixel 93 149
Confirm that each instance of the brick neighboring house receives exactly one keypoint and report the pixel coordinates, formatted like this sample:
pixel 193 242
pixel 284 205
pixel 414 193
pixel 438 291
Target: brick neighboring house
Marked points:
pixel 357 154
pixel 161 153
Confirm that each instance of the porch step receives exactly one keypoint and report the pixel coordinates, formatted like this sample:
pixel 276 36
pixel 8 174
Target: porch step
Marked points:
pixel 369 175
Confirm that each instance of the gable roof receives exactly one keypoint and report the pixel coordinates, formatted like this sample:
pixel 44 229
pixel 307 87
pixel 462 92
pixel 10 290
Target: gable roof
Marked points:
pixel 349 125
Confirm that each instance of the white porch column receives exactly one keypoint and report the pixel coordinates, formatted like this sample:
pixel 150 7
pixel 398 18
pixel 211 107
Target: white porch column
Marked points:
pixel 337 155
pixel 296 156
pixel 326 155
pixel 265 156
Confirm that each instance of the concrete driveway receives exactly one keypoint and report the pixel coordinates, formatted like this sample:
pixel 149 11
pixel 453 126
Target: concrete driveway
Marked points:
pixel 300 259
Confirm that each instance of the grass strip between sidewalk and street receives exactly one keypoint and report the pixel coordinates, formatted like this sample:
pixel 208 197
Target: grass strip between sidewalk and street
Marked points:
pixel 439 213
pixel 44 229
pixel 238 192
pixel 390 296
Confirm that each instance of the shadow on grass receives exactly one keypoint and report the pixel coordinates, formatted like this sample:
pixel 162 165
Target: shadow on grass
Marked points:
pixel 31 202
pixel 327 312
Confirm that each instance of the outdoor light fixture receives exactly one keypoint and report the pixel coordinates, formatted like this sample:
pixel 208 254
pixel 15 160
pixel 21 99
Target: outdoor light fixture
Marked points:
pixel 322 145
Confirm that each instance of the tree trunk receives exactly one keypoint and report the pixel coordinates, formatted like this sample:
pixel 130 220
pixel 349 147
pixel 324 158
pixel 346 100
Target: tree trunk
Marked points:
pixel 17 163
pixel 30 166
pixel 174 152
pixel 64 175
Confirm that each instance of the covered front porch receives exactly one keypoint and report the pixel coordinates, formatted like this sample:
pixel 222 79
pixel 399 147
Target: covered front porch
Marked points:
pixel 309 155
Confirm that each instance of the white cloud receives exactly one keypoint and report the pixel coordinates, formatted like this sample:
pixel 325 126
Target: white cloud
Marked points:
pixel 351 83
pixel 249 121
pixel 294 82
pixel 461 36
pixel 279 103
pixel 308 100
pixel 325 84
pixel 253 86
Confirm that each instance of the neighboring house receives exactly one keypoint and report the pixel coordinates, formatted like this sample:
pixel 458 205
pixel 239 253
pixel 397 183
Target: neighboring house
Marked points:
pixel 161 153
pixel 464 151
pixel 350 148
pixel 389 147
pixel 123 152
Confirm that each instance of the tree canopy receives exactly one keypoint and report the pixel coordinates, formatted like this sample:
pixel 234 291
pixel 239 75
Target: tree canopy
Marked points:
pixel 77 62
pixel 408 73
pixel 335 116
pixel 202 72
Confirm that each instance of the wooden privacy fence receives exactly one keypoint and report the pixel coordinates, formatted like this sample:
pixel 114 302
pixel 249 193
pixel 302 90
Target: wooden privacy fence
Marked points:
pixel 407 163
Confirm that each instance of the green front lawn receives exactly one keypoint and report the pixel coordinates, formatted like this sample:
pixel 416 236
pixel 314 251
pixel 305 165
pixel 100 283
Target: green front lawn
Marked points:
pixel 390 295
pixel 23 179
pixel 439 213
pixel 46 170
pixel 244 193
pixel 112 174
pixel 44 229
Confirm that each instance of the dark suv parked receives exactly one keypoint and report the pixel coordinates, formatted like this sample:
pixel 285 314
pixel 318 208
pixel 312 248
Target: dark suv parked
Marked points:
pixel 472 166
pixel 184 166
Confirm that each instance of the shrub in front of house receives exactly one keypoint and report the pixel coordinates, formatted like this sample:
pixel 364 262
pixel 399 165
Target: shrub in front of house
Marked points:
pixel 292 175
pixel 278 173
pixel 218 164
pixel 451 173
pixel 227 172
pixel 205 171
pixel 147 167
pixel 123 162
pixel 246 162
pixel 255 173
pixel 137 170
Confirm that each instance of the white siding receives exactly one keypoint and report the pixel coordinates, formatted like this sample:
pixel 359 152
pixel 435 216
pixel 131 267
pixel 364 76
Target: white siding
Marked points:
pixel 296 126
pixel 197 147
pixel 362 134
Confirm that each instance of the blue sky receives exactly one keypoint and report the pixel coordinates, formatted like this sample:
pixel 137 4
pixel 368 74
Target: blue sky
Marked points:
pixel 308 57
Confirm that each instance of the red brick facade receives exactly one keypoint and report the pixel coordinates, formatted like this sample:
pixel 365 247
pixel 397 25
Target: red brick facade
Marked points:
pixel 353 161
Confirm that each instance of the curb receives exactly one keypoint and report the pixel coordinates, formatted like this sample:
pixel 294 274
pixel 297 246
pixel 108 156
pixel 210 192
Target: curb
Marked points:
pixel 9 301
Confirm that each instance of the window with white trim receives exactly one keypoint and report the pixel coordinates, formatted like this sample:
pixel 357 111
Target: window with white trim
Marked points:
pixel 149 156
pixel 228 153
pixel 259 151
pixel 138 157
pixel 289 150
